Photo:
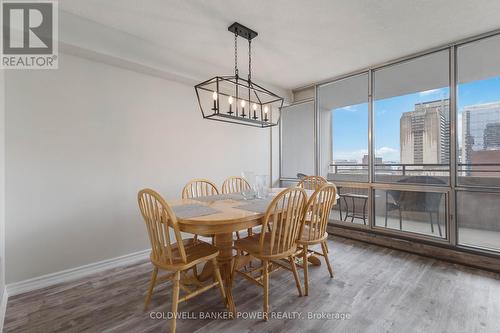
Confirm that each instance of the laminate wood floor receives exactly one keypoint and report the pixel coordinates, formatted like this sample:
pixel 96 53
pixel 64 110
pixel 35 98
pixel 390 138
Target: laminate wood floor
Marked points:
pixel 376 289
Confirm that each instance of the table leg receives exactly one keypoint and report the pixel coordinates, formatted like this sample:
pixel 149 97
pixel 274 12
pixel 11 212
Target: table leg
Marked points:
pixel 346 209
pixel 224 243
pixel 314 260
pixel 364 211
pixel 208 269
pixel 207 272
pixel 339 201
pixel 353 209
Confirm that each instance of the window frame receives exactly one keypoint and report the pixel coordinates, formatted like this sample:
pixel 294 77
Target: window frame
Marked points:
pixel 318 139
pixel 451 110
pixel 451 189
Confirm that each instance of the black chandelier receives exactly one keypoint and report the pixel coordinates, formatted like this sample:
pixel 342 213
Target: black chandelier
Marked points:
pixel 233 99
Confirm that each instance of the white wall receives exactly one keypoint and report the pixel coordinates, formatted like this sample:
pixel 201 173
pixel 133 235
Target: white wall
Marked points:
pixel 2 184
pixel 83 139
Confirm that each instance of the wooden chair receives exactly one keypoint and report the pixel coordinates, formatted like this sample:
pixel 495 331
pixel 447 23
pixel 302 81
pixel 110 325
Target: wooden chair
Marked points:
pixel 199 188
pixel 313 229
pixel 236 185
pixel 170 252
pixel 278 240
pixel 311 182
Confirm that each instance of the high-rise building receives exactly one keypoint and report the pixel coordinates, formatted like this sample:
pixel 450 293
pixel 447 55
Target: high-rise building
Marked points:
pixel 485 163
pixel 379 163
pixel 378 160
pixel 491 136
pixel 425 135
pixel 480 129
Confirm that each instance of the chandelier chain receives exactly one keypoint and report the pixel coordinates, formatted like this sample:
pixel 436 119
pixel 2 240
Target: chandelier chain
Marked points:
pixel 236 54
pixel 249 60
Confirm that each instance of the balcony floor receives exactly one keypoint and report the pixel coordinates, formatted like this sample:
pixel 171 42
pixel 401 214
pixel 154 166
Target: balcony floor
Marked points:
pixel 382 290
pixel 486 239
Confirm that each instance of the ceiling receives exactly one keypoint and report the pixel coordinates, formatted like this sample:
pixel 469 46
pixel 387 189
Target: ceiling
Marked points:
pixel 299 42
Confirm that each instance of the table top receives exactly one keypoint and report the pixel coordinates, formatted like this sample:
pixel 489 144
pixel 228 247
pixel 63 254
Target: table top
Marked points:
pixel 228 210
pixel 229 217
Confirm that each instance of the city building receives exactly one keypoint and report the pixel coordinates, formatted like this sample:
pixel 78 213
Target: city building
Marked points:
pixel 424 133
pixel 481 129
pixel 378 160
pixel 492 136
pixel 486 163
pixel 345 165
pixel 379 163
pixel 345 162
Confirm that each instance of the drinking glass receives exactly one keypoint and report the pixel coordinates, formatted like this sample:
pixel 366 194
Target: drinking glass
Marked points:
pixel 248 194
pixel 261 186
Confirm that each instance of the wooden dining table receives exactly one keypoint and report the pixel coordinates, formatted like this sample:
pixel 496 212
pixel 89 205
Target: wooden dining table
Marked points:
pixel 223 223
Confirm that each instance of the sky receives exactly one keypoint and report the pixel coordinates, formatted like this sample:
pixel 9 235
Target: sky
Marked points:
pixel 350 124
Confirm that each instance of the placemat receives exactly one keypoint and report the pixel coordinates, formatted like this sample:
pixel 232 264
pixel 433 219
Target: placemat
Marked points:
pixel 192 210
pixel 256 205
pixel 217 197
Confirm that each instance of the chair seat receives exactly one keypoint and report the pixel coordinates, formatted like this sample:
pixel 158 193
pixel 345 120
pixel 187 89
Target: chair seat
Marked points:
pixel 304 237
pixel 255 230
pixel 251 245
pixel 196 251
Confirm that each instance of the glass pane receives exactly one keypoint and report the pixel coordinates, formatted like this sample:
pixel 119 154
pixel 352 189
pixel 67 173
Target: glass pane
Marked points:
pixel 479 227
pixel 411 211
pixel 478 118
pixel 352 205
pixel 343 112
pixel 297 140
pixel 411 121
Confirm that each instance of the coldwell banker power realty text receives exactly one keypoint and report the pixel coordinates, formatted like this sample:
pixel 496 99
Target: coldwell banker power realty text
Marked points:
pixel 29 35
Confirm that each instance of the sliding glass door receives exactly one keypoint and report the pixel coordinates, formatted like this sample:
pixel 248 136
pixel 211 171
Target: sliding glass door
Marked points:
pixel 478 144
pixel 343 117
pixel 343 144
pixel 411 135
pixel 411 132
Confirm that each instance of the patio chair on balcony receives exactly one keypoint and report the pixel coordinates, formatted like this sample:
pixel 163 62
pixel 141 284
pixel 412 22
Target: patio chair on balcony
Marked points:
pixel 429 202
pixel 301 175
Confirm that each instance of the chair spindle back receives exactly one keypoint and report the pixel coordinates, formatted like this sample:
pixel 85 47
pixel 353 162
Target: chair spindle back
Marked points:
pixel 199 188
pixel 312 182
pixel 235 185
pixel 159 218
pixel 282 221
pixel 317 211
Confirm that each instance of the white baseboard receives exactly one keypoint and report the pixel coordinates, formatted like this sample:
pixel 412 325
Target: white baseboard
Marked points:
pixel 3 307
pixel 43 281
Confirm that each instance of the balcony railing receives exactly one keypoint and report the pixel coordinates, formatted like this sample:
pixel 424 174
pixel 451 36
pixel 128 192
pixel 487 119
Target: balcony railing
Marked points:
pixel 405 169
pixel 479 167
